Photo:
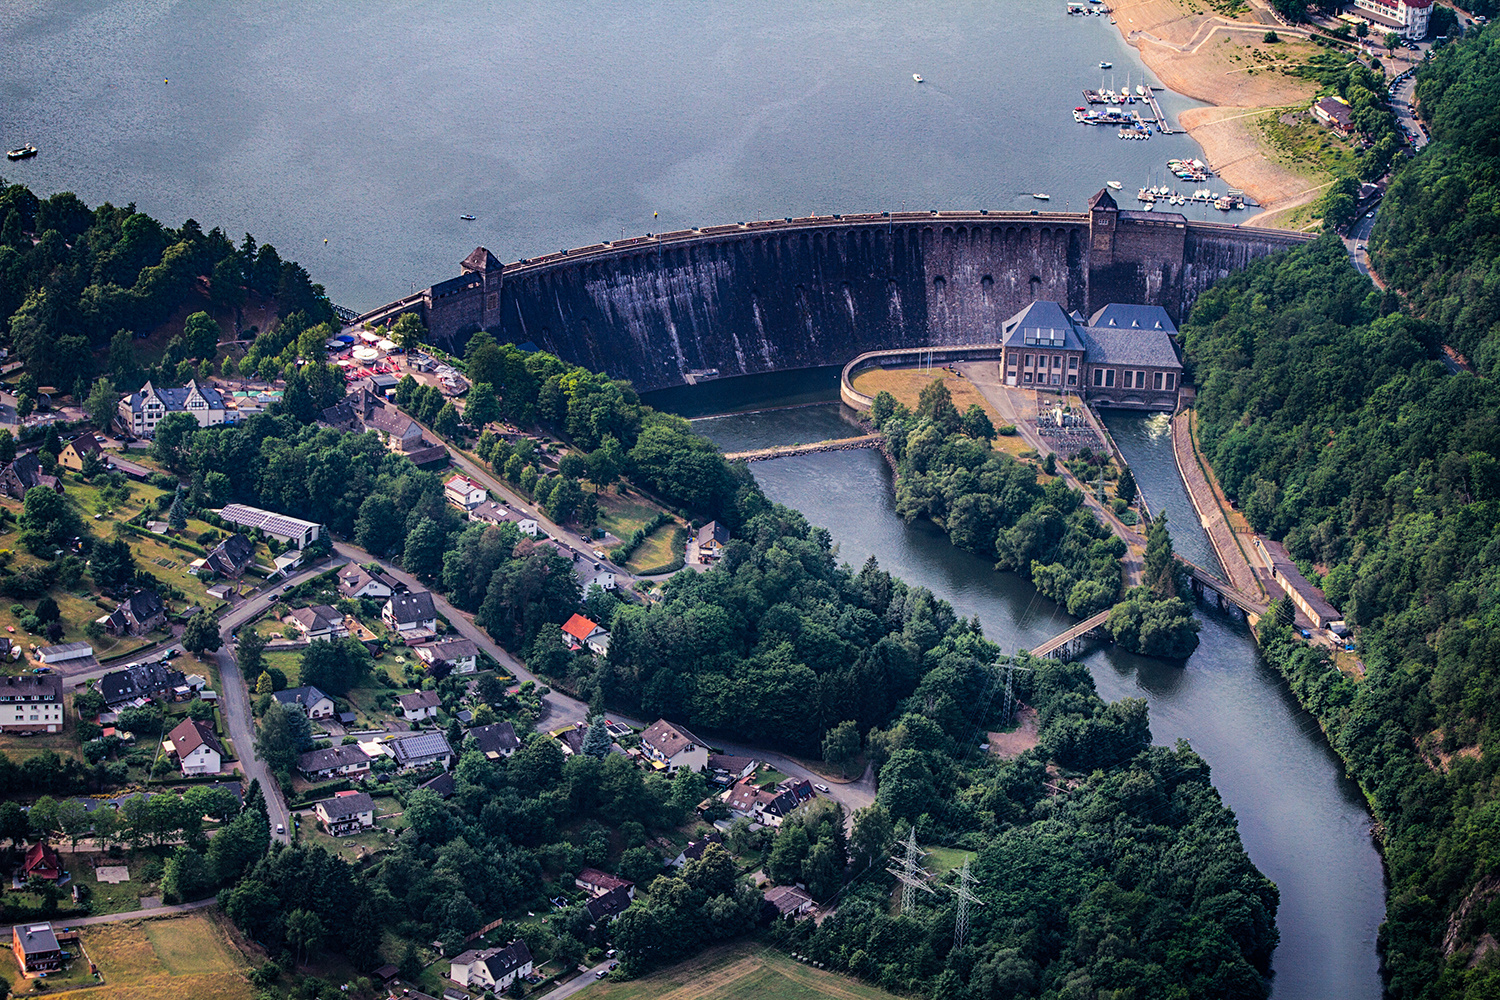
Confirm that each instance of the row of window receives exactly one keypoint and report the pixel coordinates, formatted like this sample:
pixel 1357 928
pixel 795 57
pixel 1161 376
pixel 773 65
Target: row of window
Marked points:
pixel 1163 381
pixel 1042 379
pixel 1041 361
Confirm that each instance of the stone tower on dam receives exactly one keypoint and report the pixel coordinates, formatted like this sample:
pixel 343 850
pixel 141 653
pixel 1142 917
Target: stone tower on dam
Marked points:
pixel 796 293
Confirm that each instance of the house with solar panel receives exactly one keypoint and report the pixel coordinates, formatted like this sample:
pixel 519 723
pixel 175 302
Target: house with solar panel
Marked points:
pixel 290 531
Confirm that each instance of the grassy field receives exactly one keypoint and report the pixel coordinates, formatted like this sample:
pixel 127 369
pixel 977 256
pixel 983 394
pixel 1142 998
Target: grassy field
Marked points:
pixel 906 384
pixel 940 860
pixel 359 845
pixel 737 972
pixel 621 516
pixel 187 956
pixel 661 548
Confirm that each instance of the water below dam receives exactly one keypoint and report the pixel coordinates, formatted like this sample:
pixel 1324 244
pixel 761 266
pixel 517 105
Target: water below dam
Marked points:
pixel 1303 823
pixel 376 126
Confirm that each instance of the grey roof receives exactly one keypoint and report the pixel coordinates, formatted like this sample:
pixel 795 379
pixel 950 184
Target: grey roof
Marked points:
pixel 714 532
pixel 499 737
pixel 175 399
pixel 324 760
pixel 613 903
pixel 231 555
pixel 20 687
pixel 420 746
pixel 1128 315
pixel 266 520
pixel 138 680
pixel 190 734
pixel 354 578
pixel 503 961
pixel 344 806
pixel 419 700
pixel 303 696
pixel 36 939
pixel 410 608
pixel 454 649
pixel 443 785
pixel 1042 324
pixel 1112 346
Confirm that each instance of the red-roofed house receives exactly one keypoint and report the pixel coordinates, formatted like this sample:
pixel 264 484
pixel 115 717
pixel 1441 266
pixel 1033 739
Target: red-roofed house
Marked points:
pixel 597 883
pixel 41 862
pixel 579 632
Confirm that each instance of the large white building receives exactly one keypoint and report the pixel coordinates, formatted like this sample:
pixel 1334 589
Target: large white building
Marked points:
pixel 292 531
pixel 31 703
pixel 141 411
pixel 1408 18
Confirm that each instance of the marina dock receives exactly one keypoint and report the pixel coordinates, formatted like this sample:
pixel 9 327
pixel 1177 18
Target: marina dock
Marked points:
pixel 1161 119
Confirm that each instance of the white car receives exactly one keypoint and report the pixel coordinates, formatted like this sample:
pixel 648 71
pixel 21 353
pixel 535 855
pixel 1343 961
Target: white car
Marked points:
pixel 821 788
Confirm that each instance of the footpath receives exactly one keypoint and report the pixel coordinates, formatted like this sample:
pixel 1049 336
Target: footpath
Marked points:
pixel 1208 503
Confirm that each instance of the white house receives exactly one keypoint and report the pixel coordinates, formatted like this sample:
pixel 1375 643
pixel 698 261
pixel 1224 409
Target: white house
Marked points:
pixel 464 493
pixel 410 612
pixel 356 582
pixel 343 761
pixel 529 526
pixel 141 411
pixel 346 813
pixel 462 653
pixel 197 749
pixel 492 969
pixel 31 703
pixel 672 748
pixel 419 705
pixel 292 531
pixel 579 632
pixel 314 703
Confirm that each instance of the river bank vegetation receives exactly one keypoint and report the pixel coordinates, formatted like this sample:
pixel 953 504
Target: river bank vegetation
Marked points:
pixel 1328 417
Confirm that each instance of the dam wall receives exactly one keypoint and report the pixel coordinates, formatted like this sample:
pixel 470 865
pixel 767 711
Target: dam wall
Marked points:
pixel 767 296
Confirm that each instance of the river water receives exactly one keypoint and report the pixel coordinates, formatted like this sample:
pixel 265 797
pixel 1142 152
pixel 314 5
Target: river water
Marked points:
pixel 1303 823
pixel 375 125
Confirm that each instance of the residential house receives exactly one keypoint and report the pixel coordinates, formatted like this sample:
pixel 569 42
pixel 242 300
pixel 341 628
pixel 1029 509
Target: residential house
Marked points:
pixel 65 652
pixel 672 748
pixel 138 614
pixel 42 862
pixel 578 632
pixel 137 683
pixel 711 539
pixel 340 761
pixel 495 740
pixel 231 557
pixel 1336 113
pixel 694 850
pixel 571 737
pixel 770 806
pixel 411 615
pixel 23 474
pixel 492 969
pixel 594 574
pixel 223 591
pixel 346 813
pixel 420 750
pixel 727 769
pixel 196 747
pixel 419 705
pixel 597 883
pixel 31 703
pixel 320 622
pixel 75 451
pixel 464 493
pixel 462 655
pixel 36 949
pixel 141 411
pixel 790 902
pixel 610 905
pixel 357 582
pixel 290 531
pixel 443 785
pixel 314 703
pixel 491 513
pixel 529 526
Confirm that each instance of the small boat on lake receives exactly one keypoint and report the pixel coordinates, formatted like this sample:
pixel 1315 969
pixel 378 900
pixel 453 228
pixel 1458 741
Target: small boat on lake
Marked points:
pixel 25 152
pixel 1105 65
pixel 467 218
pixel 1042 197
pixel 1114 185
pixel 917 77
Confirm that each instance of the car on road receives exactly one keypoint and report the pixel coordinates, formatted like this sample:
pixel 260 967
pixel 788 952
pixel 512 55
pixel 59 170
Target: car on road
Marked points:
pixel 821 788
pixel 601 973
pixel 280 829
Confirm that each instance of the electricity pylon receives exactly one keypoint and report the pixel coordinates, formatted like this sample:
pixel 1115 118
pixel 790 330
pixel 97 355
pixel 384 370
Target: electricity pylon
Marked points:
pixel 909 871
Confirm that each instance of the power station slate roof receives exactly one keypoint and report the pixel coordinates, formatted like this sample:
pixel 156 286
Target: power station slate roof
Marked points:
pixel 1104 345
pixel 1042 324
pixel 1127 315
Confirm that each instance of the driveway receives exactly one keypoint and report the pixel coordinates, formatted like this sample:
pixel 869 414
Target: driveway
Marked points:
pixel 114 918
pixel 584 981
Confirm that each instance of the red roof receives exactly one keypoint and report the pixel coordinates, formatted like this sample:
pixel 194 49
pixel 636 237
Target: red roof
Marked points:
pixel 42 862
pixel 579 627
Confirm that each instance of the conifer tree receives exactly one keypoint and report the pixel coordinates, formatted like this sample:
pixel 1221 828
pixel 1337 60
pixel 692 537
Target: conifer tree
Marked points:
pixel 597 742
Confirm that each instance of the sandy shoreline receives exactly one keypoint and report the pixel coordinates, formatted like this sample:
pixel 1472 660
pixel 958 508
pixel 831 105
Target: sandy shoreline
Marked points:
pixel 1227 64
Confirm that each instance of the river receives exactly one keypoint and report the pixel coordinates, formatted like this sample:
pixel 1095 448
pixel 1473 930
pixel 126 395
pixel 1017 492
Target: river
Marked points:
pixel 1304 825
pixel 375 125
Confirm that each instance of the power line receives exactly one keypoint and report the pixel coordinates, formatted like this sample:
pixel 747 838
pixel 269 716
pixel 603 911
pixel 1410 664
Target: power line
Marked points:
pixel 965 897
pixel 909 871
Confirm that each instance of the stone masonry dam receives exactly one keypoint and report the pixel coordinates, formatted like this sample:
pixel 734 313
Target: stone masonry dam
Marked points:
pixel 754 297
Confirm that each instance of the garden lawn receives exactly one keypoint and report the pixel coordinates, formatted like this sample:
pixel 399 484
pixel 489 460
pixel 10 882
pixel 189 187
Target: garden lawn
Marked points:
pixel 621 516
pixel 661 548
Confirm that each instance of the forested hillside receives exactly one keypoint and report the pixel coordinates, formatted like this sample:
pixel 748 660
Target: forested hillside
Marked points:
pixel 1330 421
pixel 1437 238
pixel 76 281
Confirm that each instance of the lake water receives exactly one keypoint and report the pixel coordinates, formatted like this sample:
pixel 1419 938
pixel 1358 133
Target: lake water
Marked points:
pixel 1303 824
pixel 375 125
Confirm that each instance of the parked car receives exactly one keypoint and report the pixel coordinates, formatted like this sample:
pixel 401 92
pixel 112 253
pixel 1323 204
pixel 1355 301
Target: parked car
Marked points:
pixel 821 788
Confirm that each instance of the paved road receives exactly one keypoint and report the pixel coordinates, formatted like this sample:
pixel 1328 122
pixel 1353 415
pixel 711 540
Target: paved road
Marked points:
pixel 234 699
pixel 1359 235
pixel 584 981
pixel 114 918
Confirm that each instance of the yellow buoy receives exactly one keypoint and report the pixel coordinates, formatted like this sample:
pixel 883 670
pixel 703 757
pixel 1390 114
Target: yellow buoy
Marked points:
pixel 325 241
pixel 164 81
